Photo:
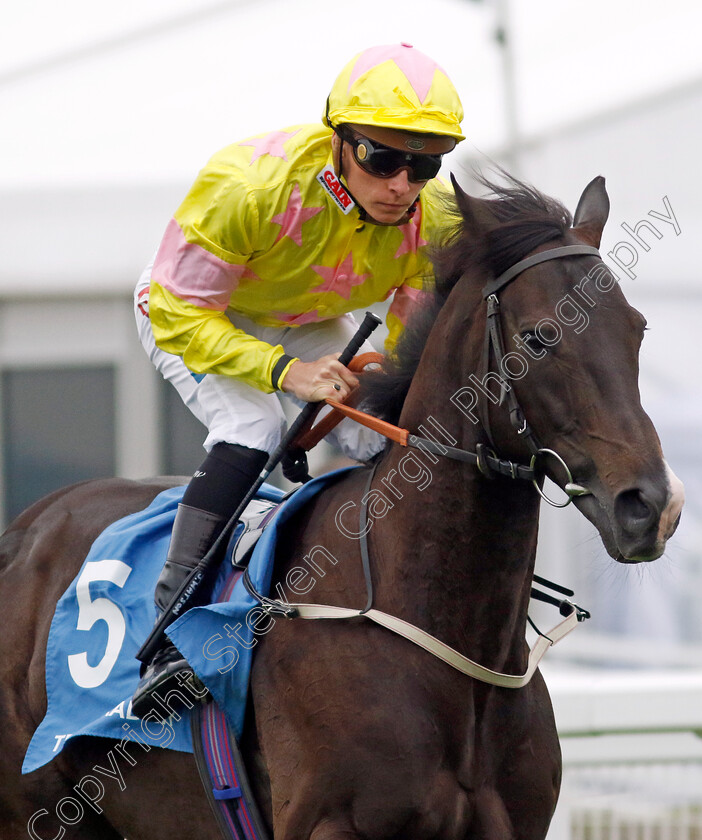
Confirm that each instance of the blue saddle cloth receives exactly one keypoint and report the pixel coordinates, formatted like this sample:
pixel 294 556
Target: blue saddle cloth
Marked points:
pixel 107 612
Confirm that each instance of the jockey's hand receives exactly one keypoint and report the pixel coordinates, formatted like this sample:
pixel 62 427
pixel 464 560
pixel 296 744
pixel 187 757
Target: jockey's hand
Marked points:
pixel 315 381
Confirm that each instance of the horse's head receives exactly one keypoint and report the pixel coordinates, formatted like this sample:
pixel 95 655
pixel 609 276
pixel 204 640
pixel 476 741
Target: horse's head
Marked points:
pixel 565 342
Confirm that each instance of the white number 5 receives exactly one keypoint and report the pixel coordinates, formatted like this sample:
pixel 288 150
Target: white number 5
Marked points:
pixel 89 611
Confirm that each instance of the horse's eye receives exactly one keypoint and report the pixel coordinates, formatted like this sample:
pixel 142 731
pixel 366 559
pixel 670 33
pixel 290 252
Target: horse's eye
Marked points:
pixel 534 342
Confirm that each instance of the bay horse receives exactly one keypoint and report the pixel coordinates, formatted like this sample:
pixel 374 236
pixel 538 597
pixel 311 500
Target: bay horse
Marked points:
pixel 353 733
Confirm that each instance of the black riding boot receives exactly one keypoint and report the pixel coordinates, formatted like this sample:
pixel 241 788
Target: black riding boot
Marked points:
pixel 194 531
pixel 212 496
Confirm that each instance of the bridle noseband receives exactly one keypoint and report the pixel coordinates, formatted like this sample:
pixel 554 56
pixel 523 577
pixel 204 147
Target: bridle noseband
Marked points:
pixel 494 348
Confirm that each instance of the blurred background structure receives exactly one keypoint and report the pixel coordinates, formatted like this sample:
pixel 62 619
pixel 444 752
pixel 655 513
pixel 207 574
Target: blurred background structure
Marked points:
pixel 109 110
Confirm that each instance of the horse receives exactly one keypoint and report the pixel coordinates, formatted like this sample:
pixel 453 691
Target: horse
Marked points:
pixel 352 732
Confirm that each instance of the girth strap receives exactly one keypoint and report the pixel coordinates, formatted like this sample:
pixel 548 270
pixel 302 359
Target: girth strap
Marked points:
pixel 224 776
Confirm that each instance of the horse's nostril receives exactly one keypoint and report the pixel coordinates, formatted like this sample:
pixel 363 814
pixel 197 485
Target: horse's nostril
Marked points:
pixel 632 510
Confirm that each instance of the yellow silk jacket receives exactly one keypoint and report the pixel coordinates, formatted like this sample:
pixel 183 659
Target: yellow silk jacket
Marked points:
pixel 268 231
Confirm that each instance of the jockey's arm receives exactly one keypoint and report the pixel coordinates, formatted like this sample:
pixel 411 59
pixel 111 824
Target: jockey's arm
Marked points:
pixel 208 342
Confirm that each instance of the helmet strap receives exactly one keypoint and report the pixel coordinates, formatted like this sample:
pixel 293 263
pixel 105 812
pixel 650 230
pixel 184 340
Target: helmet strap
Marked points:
pixel 362 213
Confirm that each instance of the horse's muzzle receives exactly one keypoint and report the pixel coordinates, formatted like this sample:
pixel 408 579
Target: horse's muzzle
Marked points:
pixel 636 524
pixel 646 517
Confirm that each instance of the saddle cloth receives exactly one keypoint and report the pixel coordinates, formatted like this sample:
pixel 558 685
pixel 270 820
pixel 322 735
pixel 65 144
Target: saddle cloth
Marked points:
pixel 106 613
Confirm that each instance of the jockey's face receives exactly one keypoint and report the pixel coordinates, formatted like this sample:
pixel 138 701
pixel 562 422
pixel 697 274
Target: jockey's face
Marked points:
pixel 386 200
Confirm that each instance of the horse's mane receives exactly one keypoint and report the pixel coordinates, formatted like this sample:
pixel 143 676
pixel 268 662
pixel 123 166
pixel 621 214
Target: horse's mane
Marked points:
pixel 525 219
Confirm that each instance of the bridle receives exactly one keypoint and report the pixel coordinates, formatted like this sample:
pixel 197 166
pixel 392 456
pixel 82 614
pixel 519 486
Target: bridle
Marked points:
pixel 485 457
pixel 494 349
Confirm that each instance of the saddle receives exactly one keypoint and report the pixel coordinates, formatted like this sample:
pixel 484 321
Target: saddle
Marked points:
pixel 251 526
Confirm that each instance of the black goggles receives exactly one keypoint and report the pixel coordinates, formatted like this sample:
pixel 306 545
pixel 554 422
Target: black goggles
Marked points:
pixel 384 161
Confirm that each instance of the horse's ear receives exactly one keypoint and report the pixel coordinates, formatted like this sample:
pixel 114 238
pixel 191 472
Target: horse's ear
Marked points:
pixel 476 212
pixel 592 212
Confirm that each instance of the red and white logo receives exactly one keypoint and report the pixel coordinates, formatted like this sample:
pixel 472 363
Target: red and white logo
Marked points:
pixel 143 301
pixel 327 178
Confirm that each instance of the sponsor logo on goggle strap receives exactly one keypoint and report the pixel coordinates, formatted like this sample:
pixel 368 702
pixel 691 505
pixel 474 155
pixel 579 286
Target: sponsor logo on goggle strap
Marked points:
pixel 327 178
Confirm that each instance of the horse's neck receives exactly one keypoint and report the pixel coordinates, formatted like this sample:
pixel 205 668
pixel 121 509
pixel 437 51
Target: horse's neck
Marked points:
pixel 457 553
pixel 457 557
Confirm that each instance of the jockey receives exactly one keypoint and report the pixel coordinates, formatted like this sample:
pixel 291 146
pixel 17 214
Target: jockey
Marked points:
pixel 251 291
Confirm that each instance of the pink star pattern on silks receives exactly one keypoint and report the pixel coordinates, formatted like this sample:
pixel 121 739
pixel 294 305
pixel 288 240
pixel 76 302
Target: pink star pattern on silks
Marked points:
pixel 339 280
pixel 411 240
pixel 417 67
pixel 294 217
pixel 271 144
pixel 406 300
pixel 249 275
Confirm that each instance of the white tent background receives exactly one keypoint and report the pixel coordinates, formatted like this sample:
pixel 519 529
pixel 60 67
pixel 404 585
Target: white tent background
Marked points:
pixel 109 110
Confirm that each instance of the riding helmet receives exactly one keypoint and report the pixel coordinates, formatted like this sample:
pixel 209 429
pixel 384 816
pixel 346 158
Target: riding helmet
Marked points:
pixel 395 86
